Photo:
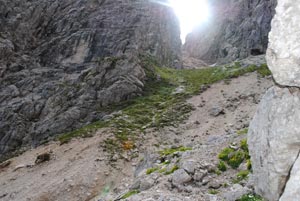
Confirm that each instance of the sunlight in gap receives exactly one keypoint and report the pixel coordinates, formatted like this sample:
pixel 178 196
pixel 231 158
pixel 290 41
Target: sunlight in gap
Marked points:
pixel 191 14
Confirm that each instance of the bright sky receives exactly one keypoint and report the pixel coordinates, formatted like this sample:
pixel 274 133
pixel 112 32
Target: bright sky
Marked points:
pixel 191 13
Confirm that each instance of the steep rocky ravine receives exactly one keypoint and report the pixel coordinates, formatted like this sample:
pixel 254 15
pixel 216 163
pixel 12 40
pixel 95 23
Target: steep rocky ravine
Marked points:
pixel 95 105
pixel 86 169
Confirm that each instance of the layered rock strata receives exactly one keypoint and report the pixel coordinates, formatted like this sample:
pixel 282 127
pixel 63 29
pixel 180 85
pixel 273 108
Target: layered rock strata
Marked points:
pixel 61 61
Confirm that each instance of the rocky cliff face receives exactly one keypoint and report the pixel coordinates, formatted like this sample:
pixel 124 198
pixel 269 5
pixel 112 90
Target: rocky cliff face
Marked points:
pixel 62 60
pixel 236 29
pixel 274 135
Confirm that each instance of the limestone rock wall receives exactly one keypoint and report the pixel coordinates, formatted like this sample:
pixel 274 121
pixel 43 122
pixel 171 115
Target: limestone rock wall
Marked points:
pixel 235 30
pixel 274 134
pixel 274 140
pixel 62 60
pixel 284 48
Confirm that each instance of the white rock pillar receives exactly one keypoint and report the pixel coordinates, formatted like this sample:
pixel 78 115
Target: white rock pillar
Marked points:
pixel 274 134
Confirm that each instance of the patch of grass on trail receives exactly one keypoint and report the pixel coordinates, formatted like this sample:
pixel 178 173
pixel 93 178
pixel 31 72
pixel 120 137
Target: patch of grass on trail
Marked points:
pixel 158 106
pixel 235 157
pixel 250 197
pixel 129 194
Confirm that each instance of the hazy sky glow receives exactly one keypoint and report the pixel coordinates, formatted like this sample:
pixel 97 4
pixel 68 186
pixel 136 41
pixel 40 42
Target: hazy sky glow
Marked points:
pixel 191 13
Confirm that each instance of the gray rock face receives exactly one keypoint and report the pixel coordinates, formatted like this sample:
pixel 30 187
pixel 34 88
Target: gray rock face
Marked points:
pixel 292 188
pixel 62 60
pixel 236 29
pixel 284 50
pixel 274 134
pixel 274 142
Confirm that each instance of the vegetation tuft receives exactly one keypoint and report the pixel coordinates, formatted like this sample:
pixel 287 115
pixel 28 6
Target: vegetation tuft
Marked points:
pixel 264 70
pixel 242 175
pixel 171 151
pixel 235 157
pixel 222 166
pixel 151 170
pixel 213 191
pixel 250 197
pixel 173 169
pixel 129 194
pixel 225 154
pixel 243 131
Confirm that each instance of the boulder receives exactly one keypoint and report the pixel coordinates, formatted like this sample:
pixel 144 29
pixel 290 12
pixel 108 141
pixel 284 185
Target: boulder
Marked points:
pixel 274 141
pixel 180 177
pixel 284 49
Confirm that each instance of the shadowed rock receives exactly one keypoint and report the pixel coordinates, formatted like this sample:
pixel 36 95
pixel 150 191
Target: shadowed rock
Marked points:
pixel 235 30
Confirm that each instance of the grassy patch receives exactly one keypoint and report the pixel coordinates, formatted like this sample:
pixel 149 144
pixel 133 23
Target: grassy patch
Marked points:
pixel 242 175
pixel 243 131
pixel 192 79
pixel 213 191
pixel 129 194
pixel 151 170
pixel 235 157
pixel 250 197
pixel 173 169
pixel 244 145
pixel 264 70
pixel 218 172
pixel 222 166
pixel 225 154
pixel 171 151
pixel 249 165
pixel 85 131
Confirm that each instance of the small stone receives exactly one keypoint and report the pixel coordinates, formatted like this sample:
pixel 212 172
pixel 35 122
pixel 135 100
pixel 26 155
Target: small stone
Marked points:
pixel 99 159
pixel 41 158
pixel 176 140
pixel 216 111
pixel 5 164
pixel 200 174
pixel 215 184
pixel 146 184
pixel 205 181
pixel 136 185
pixel 180 177
pixel 189 166
pixel 179 90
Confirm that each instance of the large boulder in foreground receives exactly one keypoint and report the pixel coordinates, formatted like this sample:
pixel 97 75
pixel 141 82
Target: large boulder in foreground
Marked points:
pixel 62 61
pixel 283 53
pixel 274 142
pixel 274 134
